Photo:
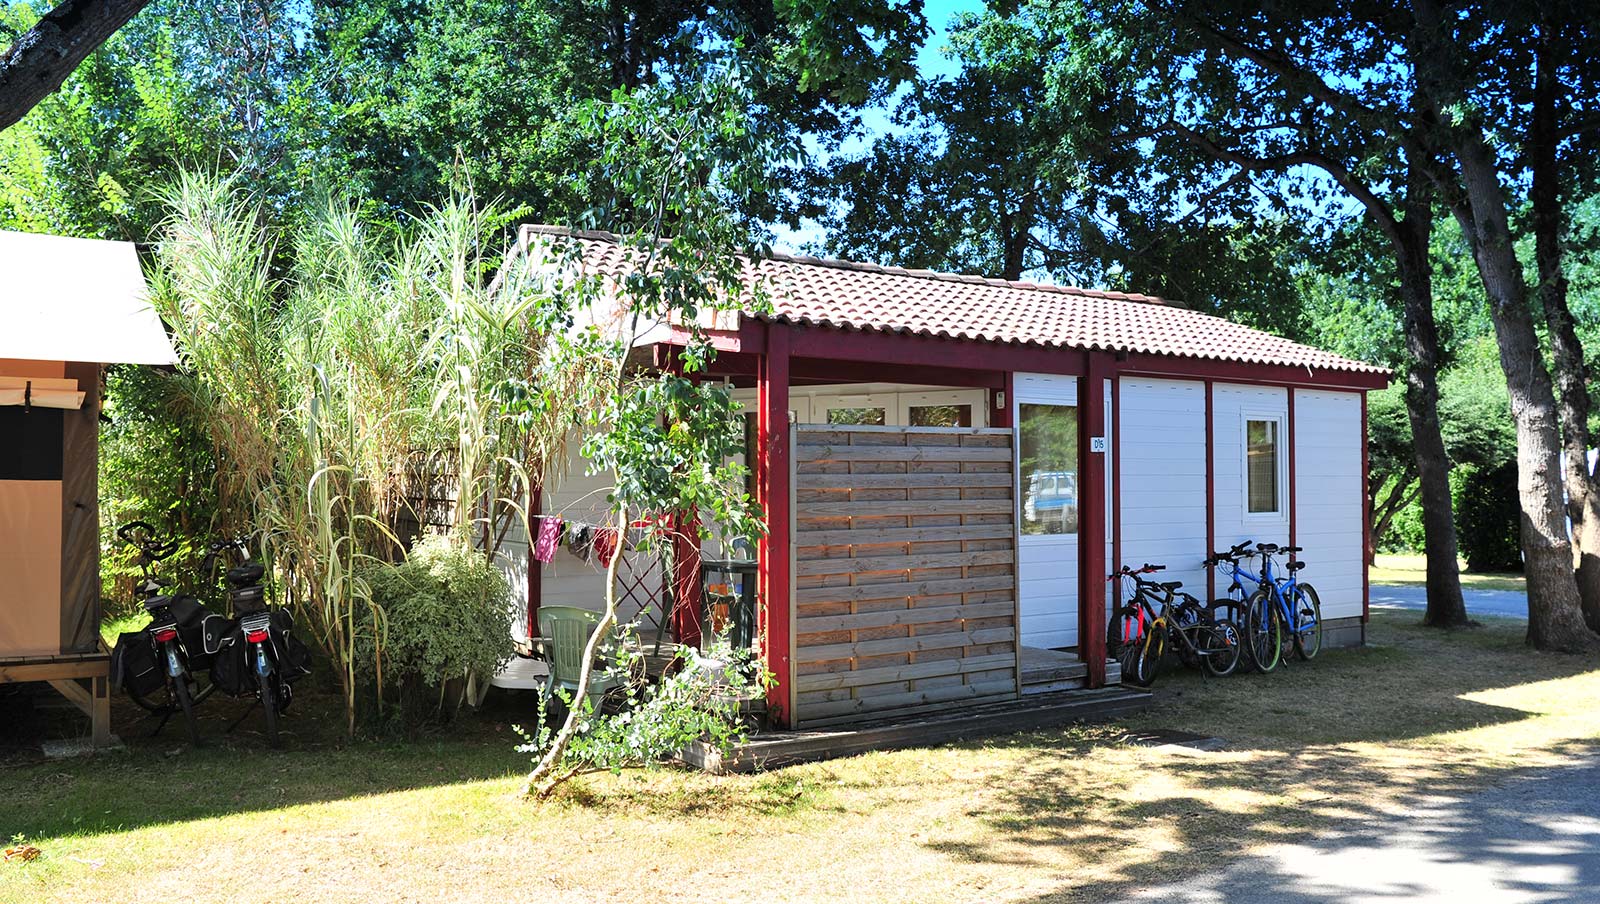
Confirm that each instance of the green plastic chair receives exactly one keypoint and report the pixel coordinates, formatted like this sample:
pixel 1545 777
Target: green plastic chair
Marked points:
pixel 566 630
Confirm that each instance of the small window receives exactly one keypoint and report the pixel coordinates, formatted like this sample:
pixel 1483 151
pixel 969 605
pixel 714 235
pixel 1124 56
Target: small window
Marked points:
pixel 940 415
pixel 1261 466
pixel 869 417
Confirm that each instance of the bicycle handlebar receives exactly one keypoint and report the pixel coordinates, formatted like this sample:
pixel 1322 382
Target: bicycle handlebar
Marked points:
pixel 142 535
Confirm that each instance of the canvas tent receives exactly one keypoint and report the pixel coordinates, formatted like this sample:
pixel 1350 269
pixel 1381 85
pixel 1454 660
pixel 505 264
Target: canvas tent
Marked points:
pixel 68 307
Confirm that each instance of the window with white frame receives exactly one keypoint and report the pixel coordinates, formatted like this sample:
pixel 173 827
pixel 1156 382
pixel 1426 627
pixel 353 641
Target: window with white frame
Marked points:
pixel 1263 464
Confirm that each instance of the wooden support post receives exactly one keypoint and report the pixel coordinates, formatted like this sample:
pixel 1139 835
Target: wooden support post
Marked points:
pixel 775 583
pixel 1092 521
pixel 1211 493
pixel 100 716
pixel 1366 523
pixel 686 602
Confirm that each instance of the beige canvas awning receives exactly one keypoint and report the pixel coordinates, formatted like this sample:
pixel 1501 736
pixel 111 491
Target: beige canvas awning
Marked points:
pixel 66 299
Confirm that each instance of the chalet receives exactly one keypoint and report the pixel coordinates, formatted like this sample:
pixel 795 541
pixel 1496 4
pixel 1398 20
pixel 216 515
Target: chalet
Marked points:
pixel 952 465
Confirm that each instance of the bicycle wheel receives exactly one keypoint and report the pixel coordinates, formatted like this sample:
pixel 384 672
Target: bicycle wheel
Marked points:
pixel 1308 613
pixel 1152 649
pixel 1263 629
pixel 269 704
pixel 180 689
pixel 1222 651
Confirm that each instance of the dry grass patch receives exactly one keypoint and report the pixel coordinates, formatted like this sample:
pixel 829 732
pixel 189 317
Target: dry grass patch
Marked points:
pixel 1333 747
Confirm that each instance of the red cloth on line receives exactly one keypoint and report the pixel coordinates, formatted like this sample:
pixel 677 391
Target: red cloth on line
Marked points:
pixel 605 546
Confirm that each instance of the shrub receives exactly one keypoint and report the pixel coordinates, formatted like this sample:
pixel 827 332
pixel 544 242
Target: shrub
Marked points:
pixel 447 615
pixel 1488 517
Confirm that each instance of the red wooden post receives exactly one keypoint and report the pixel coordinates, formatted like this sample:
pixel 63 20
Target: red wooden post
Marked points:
pixel 686 578
pixel 1366 522
pixel 1001 401
pixel 1290 440
pixel 1092 522
pixel 775 584
pixel 1211 493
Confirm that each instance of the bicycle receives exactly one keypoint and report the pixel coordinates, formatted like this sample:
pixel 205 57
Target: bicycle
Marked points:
pixel 175 649
pixel 1295 605
pixel 1162 616
pixel 1262 629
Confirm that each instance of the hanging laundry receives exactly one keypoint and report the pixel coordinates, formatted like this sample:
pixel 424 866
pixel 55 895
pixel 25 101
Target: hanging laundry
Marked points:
pixel 580 539
pixel 548 539
pixel 605 545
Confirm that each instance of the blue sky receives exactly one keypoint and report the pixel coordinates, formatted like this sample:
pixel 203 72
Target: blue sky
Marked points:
pixel 931 61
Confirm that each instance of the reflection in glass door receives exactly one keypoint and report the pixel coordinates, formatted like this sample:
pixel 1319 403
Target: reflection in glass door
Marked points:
pixel 1048 461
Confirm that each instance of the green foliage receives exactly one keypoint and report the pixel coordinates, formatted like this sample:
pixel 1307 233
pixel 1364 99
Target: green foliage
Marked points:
pixel 698 700
pixel 157 465
pixel 447 615
pixel 1487 517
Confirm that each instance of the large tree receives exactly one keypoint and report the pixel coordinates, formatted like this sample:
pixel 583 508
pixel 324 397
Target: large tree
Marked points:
pixel 42 57
pixel 1210 77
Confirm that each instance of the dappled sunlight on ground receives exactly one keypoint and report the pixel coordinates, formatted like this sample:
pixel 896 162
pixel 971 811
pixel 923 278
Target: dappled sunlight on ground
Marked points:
pixel 1327 763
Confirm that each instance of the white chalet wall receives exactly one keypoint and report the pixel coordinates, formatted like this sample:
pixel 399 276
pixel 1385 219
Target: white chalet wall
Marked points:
pixel 1163 477
pixel 1328 497
pixel 1230 404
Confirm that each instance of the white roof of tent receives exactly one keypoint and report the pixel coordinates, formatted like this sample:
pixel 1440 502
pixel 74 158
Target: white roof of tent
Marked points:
pixel 66 299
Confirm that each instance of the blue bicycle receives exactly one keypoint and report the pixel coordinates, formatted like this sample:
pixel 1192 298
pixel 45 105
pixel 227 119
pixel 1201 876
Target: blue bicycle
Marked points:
pixel 1260 626
pixel 1295 604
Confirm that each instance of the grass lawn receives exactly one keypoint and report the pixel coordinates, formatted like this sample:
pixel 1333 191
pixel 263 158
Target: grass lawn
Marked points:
pixel 1413 569
pixel 1065 815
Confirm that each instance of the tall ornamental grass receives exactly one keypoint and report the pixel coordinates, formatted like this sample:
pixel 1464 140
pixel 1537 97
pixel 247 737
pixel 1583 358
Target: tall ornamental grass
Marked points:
pixel 343 372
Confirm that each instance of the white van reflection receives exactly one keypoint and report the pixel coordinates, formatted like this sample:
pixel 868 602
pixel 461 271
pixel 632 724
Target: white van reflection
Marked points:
pixel 1051 503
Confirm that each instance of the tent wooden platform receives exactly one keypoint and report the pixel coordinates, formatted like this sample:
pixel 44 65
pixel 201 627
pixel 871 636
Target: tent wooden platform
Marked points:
pixel 80 677
pixel 773 749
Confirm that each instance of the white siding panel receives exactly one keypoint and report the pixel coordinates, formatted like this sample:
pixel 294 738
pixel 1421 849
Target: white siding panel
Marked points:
pixel 1328 501
pixel 1230 403
pixel 1163 477
pixel 569 580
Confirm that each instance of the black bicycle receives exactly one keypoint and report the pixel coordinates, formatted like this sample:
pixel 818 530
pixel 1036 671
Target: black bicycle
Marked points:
pixel 1159 618
pixel 262 657
pixel 164 668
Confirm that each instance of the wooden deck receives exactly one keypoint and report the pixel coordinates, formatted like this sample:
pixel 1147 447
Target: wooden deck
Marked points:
pixel 80 677
pixel 774 749
pixel 1050 671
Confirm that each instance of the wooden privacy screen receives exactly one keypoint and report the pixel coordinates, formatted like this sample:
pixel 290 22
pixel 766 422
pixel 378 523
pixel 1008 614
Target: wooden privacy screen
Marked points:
pixel 905 570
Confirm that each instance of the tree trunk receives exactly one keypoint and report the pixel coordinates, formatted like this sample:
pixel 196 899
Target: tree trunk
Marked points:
pixel 1555 619
pixel 42 58
pixel 1583 498
pixel 1446 607
pixel 1555 616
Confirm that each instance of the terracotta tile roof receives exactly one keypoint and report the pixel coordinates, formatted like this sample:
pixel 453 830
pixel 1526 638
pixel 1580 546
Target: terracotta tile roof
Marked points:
pixel 859 296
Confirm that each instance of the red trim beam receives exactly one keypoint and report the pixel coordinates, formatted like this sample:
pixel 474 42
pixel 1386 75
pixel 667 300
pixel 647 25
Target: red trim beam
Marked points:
pixel 775 581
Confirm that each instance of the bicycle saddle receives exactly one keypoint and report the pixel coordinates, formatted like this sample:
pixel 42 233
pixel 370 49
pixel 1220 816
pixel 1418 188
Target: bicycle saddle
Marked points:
pixel 1268 548
pixel 248 573
pixel 1296 566
pixel 1170 585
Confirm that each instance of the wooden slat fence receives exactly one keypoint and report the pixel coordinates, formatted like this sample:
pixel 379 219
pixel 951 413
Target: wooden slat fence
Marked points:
pixel 905 570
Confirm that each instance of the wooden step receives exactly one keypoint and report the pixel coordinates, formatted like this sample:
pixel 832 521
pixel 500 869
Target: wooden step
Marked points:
pixel 768 750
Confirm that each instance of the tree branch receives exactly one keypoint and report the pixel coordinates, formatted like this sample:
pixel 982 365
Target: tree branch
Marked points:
pixel 42 58
pixel 1375 205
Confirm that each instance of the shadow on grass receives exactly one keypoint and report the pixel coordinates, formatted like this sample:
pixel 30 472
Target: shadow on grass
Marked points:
pixel 1323 805
pixel 162 779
